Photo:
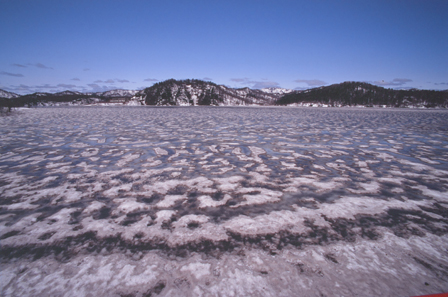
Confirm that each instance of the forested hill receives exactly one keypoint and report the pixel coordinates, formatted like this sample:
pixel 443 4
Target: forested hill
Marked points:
pixel 64 98
pixel 364 94
pixel 197 92
pixel 192 92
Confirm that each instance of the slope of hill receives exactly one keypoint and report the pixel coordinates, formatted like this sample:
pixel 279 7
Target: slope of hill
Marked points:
pixel 70 98
pixel 193 92
pixel 364 94
pixel 8 95
pixel 117 93
pixel 198 92
pixel 276 90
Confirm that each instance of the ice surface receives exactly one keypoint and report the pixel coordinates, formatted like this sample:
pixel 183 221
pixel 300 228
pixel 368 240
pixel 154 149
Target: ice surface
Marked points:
pixel 223 201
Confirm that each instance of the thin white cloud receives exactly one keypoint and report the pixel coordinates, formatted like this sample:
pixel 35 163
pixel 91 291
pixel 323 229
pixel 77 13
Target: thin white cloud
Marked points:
pixel 240 80
pixel 29 89
pixel 18 65
pixel 394 82
pixel 11 74
pixel 67 86
pixel 39 65
pixel 20 89
pixel 264 84
pixel 254 84
pixel 311 82
pixel 76 79
pixel 150 79
pixel 108 81
pixel 98 88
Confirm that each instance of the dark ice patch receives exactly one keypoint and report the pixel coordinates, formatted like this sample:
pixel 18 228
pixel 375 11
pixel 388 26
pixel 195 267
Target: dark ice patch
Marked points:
pixel 193 225
pixel 103 213
pixel 131 218
pixel 178 190
pixel 156 290
pixel 75 217
pixel 331 257
pixel 153 199
pixel 46 236
pixel 218 196
pixel 10 234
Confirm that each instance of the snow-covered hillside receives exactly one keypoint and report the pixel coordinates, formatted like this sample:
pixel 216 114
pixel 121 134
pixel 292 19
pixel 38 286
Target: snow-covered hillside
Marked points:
pixel 192 92
pixel 65 93
pixel 117 93
pixel 8 95
pixel 280 91
pixel 197 92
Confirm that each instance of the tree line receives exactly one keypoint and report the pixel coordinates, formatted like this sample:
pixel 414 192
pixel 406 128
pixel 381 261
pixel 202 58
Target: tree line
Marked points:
pixel 358 93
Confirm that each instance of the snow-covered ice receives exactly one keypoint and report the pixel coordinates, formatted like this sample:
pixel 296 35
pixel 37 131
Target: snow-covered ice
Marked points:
pixel 223 201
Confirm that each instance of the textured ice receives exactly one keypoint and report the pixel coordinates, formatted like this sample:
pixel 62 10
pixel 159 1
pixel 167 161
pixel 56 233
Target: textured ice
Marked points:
pixel 142 201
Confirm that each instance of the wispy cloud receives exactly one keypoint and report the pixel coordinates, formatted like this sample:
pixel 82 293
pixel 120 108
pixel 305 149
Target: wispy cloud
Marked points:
pixel 311 82
pixel 150 79
pixel 394 82
pixel 39 65
pixel 98 88
pixel 18 65
pixel 254 84
pixel 101 86
pixel 11 74
pixel 240 80
pixel 68 86
pixel 208 78
pixel 442 83
pixel 86 69
pixel 264 84
pixel 28 89
pixel 111 81
pixel 20 89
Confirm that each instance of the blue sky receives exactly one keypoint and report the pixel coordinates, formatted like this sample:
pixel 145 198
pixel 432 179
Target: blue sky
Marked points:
pixel 56 45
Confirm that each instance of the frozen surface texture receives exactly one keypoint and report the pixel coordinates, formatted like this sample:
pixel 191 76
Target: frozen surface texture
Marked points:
pixel 141 201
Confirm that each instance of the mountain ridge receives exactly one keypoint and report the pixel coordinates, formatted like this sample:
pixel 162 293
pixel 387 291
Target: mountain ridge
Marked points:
pixel 197 92
pixel 8 95
pixel 352 93
pixel 192 92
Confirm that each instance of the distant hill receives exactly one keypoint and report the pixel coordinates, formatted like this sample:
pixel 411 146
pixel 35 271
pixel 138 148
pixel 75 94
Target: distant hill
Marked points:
pixel 7 95
pixel 67 98
pixel 191 92
pixel 170 92
pixel 198 92
pixel 364 94
pixel 276 90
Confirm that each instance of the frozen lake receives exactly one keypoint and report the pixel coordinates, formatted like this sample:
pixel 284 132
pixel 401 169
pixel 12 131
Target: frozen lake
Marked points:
pixel 192 201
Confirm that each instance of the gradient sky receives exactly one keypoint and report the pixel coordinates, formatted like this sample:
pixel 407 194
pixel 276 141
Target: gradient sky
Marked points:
pixel 50 46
